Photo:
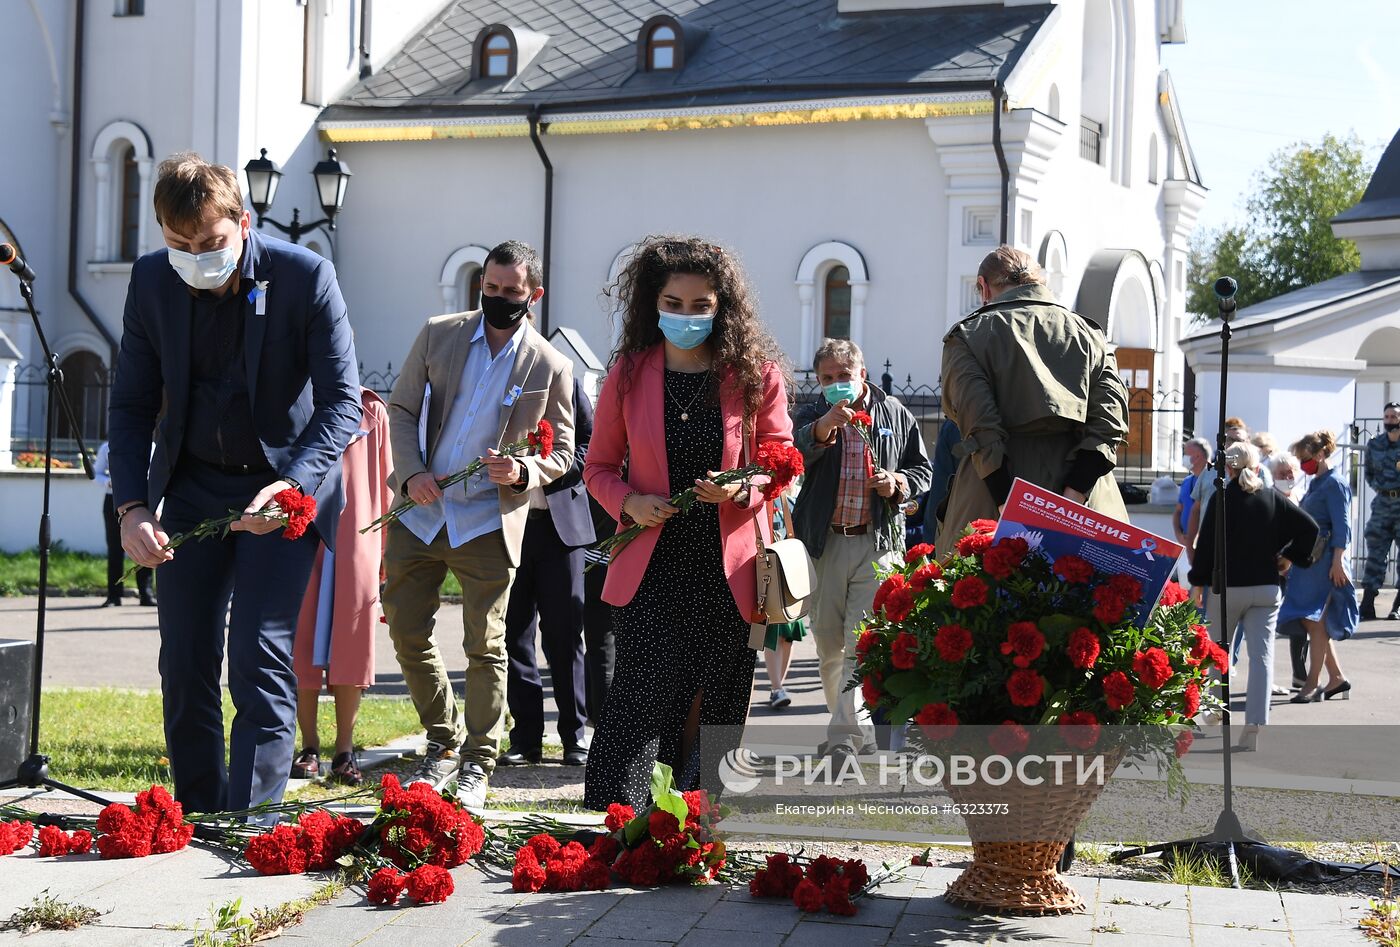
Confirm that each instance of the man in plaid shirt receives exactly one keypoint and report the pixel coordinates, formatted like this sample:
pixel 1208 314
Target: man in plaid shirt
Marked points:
pixel 850 516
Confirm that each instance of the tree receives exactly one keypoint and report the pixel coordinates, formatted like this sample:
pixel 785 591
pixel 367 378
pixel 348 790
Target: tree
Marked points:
pixel 1286 242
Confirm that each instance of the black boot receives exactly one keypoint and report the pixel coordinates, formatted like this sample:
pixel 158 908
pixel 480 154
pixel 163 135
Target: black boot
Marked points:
pixel 1368 605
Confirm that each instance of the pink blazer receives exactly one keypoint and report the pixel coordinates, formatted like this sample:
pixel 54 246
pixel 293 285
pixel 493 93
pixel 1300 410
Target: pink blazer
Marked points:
pixel 630 429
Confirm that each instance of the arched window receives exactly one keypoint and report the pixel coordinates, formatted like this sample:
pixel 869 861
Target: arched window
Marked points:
pixel 662 46
pixel 468 288
pixel 121 165
pixel 85 384
pixel 130 224
pixel 836 303
pixel 1052 106
pixel 460 281
pixel 498 55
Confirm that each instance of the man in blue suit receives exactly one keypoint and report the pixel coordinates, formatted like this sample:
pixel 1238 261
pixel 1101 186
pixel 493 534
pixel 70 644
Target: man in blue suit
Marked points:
pixel 237 359
pixel 549 583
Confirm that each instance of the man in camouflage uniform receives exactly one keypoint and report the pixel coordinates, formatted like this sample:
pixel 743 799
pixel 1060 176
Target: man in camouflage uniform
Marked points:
pixel 1383 528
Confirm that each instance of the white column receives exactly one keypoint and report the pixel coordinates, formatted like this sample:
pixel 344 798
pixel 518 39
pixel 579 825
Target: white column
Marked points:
pixel 858 290
pixel 102 210
pixel 144 214
pixel 449 297
pixel 806 293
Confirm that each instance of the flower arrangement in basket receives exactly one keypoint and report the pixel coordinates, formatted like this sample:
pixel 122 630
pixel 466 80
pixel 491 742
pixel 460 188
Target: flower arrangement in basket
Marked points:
pixel 1000 650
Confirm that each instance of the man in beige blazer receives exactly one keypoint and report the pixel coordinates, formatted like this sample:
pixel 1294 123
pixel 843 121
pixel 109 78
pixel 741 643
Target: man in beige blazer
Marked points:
pixel 472 382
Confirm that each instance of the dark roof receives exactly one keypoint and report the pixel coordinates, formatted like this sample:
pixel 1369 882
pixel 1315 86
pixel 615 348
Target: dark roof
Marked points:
pixel 1307 300
pixel 737 50
pixel 1382 197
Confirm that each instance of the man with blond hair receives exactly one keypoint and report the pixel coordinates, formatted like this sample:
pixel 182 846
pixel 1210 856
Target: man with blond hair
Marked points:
pixel 237 359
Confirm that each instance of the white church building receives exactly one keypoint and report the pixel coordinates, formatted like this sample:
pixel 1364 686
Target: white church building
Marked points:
pixel 861 156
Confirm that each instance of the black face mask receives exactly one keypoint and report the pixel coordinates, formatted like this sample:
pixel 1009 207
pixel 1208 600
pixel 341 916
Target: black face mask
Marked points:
pixel 501 313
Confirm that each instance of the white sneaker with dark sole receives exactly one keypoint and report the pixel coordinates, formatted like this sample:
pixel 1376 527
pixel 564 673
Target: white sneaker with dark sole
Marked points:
pixel 438 767
pixel 471 787
pixel 779 699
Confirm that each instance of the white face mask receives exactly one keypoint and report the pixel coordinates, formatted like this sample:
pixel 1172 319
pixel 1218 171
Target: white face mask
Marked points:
pixel 207 270
pixel 1284 485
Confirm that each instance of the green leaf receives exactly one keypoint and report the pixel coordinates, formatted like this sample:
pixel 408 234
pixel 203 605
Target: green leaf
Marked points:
pixel 904 683
pixel 633 831
pixel 664 794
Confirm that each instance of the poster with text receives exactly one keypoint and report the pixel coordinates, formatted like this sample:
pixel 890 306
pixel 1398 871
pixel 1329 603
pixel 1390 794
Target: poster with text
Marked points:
pixel 1054 526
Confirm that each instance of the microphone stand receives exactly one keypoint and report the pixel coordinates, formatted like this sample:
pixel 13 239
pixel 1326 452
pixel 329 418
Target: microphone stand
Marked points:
pixel 33 773
pixel 1228 829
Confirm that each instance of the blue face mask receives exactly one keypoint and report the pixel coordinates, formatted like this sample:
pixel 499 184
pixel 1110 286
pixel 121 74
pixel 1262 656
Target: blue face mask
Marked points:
pixel 684 332
pixel 837 392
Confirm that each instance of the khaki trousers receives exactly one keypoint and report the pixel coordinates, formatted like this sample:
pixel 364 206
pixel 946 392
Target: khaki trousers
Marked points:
pixel 846 585
pixel 414 573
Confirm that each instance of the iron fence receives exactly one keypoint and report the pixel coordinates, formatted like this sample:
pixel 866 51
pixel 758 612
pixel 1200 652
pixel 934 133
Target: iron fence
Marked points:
pixel 1090 140
pixel 87 386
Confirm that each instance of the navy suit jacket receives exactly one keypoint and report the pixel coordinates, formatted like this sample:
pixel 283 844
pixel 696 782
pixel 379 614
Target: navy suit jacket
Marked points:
pixel 303 380
pixel 567 496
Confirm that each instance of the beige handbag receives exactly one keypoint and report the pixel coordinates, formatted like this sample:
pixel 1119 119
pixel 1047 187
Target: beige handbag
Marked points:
pixel 786 576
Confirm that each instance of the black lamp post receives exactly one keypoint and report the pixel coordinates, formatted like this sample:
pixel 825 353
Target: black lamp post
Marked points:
pixel 332 176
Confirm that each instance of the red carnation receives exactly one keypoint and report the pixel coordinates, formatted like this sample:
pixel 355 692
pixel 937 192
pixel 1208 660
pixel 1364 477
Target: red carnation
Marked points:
pixel 272 853
pixel 54 842
pixel 1025 687
pixel 697 802
pixel 662 825
pixel 1002 559
pixel 882 594
pixel 870 690
pixel 1153 667
pixel 983 526
pixel 1081 729
pixel 1182 743
pixel 925 574
pixel 1073 569
pixel 542 438
pixel 899 604
pixel 1191 700
pixel 807 896
pixel 918 552
pixel 973 543
pixel 938 721
pixel 867 640
pixel 528 874
pixel 385 886
pixel 544 846
pixel 1127 588
pixel 836 895
pixel 429 884
pixel 1083 648
pixel 783 463
pixel 1024 640
pixel 14 836
pixel 1173 594
pixel 298 509
pixel 1109 605
pixel 952 642
pixel 904 651
pixel 618 816
pixel 969 592
pixel 1118 690
pixel 861 419
pixel 1009 738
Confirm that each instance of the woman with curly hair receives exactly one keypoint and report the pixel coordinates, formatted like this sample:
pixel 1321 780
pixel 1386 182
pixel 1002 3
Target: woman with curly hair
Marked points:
pixel 695 385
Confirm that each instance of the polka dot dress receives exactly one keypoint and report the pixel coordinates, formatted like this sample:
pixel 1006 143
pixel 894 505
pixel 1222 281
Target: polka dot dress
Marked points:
pixel 681 634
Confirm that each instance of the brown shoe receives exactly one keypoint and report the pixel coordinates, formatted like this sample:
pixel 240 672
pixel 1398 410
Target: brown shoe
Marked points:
pixel 345 770
pixel 307 765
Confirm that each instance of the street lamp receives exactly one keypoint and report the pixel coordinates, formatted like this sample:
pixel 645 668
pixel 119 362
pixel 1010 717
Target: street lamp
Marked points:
pixel 332 176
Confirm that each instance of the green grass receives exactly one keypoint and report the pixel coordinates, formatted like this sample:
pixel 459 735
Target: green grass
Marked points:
pixel 47 913
pixel 75 573
pixel 82 573
pixel 114 740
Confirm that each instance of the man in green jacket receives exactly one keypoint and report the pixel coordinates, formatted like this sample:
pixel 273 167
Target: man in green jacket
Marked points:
pixel 1036 394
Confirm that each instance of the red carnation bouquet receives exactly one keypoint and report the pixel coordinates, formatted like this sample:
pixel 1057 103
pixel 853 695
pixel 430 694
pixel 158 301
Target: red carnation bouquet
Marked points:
pixel 999 636
pixel 539 442
pixel 779 464
pixel 292 508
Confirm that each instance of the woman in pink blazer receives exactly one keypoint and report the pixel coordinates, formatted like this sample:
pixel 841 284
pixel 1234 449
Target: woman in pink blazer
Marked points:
pixel 694 377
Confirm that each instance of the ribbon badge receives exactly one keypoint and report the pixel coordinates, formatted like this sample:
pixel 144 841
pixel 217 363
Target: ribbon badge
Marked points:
pixel 1146 548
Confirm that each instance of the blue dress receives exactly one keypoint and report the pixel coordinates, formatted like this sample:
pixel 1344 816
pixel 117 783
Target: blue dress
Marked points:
pixel 1310 593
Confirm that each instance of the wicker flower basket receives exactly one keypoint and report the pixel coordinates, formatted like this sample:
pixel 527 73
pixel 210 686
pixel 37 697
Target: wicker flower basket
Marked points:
pixel 1015 854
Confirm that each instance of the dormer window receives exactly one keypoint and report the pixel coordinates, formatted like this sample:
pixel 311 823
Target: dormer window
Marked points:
pixel 661 45
pixel 661 48
pixel 497 55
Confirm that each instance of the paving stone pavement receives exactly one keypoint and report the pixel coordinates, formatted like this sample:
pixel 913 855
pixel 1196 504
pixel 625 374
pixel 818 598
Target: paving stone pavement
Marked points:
pixel 164 900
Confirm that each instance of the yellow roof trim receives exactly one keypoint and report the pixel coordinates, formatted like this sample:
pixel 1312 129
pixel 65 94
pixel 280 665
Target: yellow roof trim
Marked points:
pixel 564 125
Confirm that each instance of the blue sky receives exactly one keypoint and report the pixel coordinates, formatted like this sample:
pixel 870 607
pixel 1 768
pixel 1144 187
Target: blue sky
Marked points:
pixel 1257 75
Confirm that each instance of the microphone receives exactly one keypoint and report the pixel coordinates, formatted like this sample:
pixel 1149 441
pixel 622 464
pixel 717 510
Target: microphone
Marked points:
pixel 10 257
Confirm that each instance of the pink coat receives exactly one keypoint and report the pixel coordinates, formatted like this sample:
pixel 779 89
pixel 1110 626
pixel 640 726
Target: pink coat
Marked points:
pixel 365 468
pixel 631 429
